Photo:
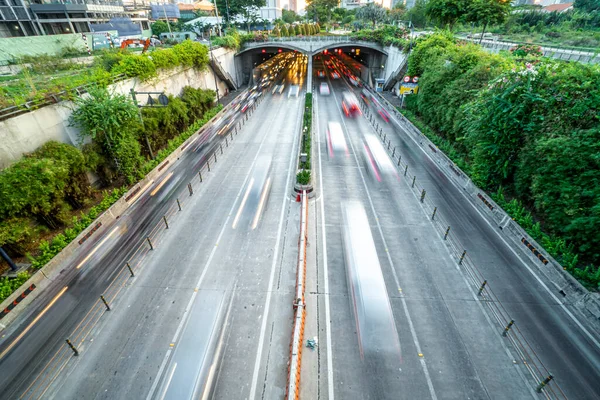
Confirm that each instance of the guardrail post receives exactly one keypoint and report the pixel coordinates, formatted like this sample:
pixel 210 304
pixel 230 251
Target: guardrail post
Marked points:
pixel 215 156
pixel 462 257
pixel 384 137
pixel 510 324
pixel 179 204
pixel 394 154
pixel 129 268
pixel 105 302
pixel 208 165
pixel 482 287
pixel 149 242
pixel 399 159
pixel 221 149
pixel 406 170
pixel 226 142
pixel 75 352
pixel 433 215
pixel 190 189
pixel 200 175
pixel 544 383
pixel 447 232
pixel 414 179
pixel 166 223
pixel 423 197
pixel 377 128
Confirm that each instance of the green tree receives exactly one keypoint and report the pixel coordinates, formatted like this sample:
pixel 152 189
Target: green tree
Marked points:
pixel 112 121
pixel 372 12
pixel 159 27
pixel 289 16
pixel 284 31
pixel 320 10
pixel 397 13
pixel 446 12
pixel 587 5
pixel 292 31
pixel 247 9
pixel 488 12
pixel 418 14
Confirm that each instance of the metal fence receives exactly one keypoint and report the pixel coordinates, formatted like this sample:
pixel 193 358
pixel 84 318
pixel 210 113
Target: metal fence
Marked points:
pixel 507 327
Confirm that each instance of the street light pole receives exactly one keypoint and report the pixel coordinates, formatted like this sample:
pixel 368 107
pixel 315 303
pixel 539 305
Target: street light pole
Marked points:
pixel 142 120
pixel 212 57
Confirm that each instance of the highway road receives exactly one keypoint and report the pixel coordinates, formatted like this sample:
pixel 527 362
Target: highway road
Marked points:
pixel 225 265
pixel 436 313
pixel 209 308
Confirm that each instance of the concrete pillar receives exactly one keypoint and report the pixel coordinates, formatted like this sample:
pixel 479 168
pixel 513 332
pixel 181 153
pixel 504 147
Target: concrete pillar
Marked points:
pixel 309 74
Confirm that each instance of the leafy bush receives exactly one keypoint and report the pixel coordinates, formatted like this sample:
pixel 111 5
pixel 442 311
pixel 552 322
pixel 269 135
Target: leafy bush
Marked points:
pixel 136 65
pixel 303 177
pixel 524 50
pixel 49 249
pixel 529 128
pixel 9 285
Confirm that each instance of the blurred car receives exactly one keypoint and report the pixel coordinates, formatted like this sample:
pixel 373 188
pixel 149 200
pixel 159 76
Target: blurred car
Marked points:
pixel 256 195
pixel 380 109
pixel 294 91
pixel 321 73
pixel 335 75
pixel 324 89
pixel 336 142
pixel 366 96
pixel 379 164
pixel 350 104
pixel 354 81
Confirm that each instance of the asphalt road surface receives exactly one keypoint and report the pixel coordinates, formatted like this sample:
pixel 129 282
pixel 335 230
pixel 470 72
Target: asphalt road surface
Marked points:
pixel 125 352
pixel 436 315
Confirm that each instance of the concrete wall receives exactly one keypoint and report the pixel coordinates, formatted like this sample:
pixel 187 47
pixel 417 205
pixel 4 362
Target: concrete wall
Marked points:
pixel 395 59
pixel 15 47
pixel 26 132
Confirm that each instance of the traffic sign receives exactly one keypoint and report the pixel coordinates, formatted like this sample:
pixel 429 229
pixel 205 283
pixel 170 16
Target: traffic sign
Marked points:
pixel 415 79
pixel 407 79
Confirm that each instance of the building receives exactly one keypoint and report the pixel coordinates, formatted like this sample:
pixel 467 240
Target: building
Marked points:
pixel 189 11
pixel 54 17
pixel 560 7
pixel 271 11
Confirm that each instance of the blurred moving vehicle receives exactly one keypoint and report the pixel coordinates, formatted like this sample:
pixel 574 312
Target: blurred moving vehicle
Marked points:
pixel 335 75
pixel 324 89
pixel 192 370
pixel 294 90
pixel 377 335
pixel 321 73
pixel 336 142
pixel 380 109
pixel 255 198
pixel 350 104
pixel 378 162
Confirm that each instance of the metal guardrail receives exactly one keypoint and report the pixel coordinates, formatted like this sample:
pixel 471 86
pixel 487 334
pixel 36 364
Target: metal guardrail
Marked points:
pixel 509 328
pixel 51 98
pixel 552 52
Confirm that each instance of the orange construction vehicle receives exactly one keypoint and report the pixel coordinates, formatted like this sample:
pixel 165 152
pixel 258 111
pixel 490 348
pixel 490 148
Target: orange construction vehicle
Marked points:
pixel 127 42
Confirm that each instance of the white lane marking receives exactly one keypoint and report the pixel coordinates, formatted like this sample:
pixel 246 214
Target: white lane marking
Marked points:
pixel 242 204
pixel 389 257
pixel 263 327
pixel 96 248
pixel 164 393
pixel 261 205
pixel 206 266
pixel 526 265
pixel 325 268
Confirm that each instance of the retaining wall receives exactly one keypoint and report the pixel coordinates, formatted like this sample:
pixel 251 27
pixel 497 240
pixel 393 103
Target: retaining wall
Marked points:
pixel 26 132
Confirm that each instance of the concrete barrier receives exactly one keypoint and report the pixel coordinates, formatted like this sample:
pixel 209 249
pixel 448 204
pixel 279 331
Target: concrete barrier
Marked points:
pixel 295 363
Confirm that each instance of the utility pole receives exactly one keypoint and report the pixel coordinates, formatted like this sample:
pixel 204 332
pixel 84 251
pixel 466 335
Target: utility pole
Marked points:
pixel 212 57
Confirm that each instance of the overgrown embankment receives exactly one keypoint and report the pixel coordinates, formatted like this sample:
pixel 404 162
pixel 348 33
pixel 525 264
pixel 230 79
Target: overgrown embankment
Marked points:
pixel 46 199
pixel 527 130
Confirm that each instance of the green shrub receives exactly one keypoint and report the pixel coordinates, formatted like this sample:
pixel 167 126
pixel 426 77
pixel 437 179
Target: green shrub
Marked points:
pixel 9 285
pixel 303 177
pixel 136 65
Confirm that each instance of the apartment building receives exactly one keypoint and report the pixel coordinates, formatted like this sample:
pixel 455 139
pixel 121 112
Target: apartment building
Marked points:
pixel 54 17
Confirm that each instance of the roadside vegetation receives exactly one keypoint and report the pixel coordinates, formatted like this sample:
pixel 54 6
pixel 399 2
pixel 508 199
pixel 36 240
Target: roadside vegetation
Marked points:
pixel 46 199
pixel 526 129
pixel 304 174
pixel 46 76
